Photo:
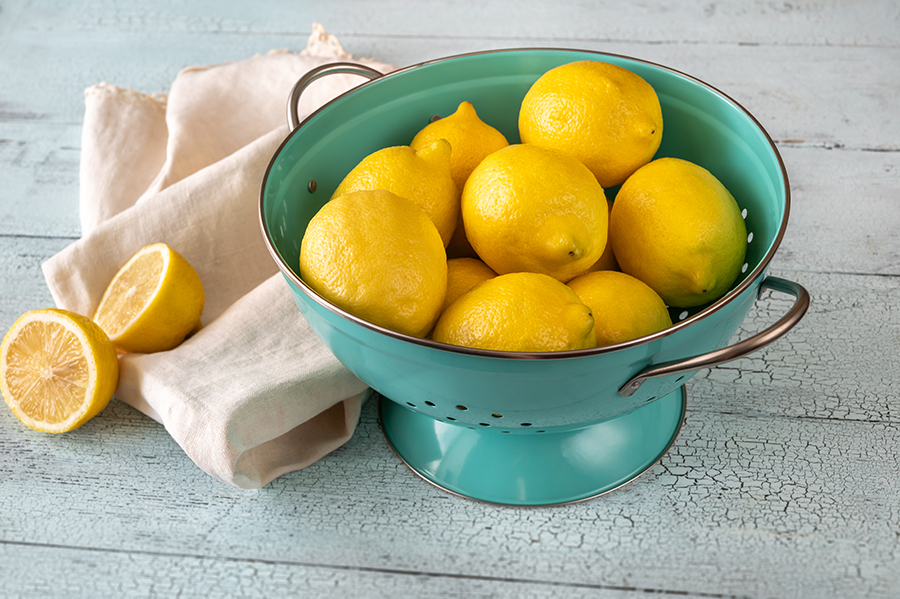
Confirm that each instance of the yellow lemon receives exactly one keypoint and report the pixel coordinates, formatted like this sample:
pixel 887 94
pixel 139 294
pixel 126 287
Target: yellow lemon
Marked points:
pixel 471 140
pixel 153 302
pixel 675 227
pixel 606 116
pixel 623 307
pixel 421 176
pixel 462 275
pixel 58 370
pixel 521 312
pixel 532 209
pixel 379 257
pixel 607 260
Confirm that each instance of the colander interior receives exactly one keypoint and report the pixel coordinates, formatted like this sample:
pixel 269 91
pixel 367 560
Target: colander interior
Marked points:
pixel 700 124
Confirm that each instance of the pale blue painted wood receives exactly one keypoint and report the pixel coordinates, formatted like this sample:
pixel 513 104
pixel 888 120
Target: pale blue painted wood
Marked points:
pixel 783 482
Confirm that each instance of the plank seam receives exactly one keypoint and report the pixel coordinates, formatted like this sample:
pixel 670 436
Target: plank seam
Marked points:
pixel 28 236
pixel 397 571
pixel 670 42
pixel 763 416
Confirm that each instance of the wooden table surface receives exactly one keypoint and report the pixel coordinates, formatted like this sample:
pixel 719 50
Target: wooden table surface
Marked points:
pixel 784 481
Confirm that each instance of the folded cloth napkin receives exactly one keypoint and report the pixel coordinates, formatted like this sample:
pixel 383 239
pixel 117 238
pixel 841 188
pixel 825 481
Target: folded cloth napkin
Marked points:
pixel 254 394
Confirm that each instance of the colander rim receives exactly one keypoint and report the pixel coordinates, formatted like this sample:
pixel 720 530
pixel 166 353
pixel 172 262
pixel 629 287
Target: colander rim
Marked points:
pixel 749 281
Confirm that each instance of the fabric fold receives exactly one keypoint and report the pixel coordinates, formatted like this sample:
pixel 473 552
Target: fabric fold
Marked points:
pixel 254 393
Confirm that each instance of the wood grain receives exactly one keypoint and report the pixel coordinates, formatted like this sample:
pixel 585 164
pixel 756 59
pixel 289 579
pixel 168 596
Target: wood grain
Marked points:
pixel 783 481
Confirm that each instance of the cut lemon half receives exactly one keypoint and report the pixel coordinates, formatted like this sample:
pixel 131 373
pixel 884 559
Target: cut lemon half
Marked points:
pixel 58 369
pixel 153 302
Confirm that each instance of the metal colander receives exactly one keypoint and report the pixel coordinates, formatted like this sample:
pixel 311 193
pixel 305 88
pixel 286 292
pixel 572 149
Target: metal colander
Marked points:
pixel 527 428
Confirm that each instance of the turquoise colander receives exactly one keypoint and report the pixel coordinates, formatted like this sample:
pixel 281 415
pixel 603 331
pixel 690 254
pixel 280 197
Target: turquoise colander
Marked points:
pixel 527 428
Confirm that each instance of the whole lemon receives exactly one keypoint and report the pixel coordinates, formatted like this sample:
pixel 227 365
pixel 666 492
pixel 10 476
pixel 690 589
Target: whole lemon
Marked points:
pixel 522 312
pixel 462 275
pixel 607 260
pixel 533 209
pixel 623 307
pixel 675 227
pixel 606 116
pixel 379 257
pixel 471 140
pixel 421 176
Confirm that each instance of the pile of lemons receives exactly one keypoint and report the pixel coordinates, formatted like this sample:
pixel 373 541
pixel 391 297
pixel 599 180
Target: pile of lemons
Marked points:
pixel 468 240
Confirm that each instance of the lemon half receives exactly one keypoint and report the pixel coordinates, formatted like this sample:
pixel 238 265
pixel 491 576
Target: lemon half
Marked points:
pixel 58 370
pixel 153 302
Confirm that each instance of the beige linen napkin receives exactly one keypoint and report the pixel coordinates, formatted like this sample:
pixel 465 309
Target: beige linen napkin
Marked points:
pixel 254 394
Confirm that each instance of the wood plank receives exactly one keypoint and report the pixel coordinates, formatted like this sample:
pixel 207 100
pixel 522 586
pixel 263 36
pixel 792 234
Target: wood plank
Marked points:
pixel 845 211
pixel 844 216
pixel 23 283
pixel 39 178
pixel 818 22
pixel 819 96
pixel 839 363
pixel 39 572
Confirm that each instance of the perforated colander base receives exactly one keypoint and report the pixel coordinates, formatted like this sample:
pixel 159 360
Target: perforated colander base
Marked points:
pixel 533 469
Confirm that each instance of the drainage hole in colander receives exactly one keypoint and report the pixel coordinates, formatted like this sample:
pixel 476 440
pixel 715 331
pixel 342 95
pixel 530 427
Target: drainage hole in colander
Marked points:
pixel 450 418
pixel 679 379
pixel 744 267
pixel 428 403
pixel 651 399
pixel 483 424
pixel 409 403
pixel 526 424
pixel 504 431
pixel 495 415
pixel 461 408
pixel 750 237
pixel 435 118
pixel 744 213
pixel 542 431
pixel 683 315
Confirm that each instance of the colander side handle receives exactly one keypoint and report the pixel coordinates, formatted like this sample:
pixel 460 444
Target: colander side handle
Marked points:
pixel 738 350
pixel 333 68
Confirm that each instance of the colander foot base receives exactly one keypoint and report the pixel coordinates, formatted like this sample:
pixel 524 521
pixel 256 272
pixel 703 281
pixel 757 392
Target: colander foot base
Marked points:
pixel 546 468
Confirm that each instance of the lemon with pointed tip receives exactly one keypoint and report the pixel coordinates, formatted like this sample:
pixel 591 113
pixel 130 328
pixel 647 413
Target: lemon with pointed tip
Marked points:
pixel 471 140
pixel 624 308
pixel 606 116
pixel 534 209
pixel 379 257
pixel 675 227
pixel 153 302
pixel 421 176
pixel 58 369
pixel 462 275
pixel 520 312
